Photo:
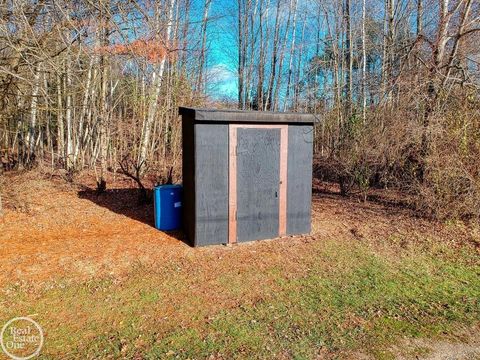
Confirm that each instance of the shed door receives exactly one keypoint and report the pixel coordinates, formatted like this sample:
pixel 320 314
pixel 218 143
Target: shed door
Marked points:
pixel 258 177
pixel 257 182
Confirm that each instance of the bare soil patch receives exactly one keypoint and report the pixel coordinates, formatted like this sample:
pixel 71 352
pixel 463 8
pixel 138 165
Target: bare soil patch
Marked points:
pixel 52 229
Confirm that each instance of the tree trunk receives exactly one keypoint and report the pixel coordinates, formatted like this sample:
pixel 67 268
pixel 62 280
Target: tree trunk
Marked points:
pixel 261 61
pixel 33 116
pixel 246 84
pixel 290 60
pixel 68 115
pixel 292 7
pixel 419 17
pixel 390 49
pixel 200 82
pixel 298 66
pixel 268 104
pixel 152 109
pixel 385 50
pixel 364 64
pixel 83 114
pixel 102 116
pixel 349 59
pixel 184 54
pixel 60 129
pixel 241 56
pixel 251 35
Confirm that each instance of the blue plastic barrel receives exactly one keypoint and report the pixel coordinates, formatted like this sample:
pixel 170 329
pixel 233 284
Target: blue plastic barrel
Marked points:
pixel 168 207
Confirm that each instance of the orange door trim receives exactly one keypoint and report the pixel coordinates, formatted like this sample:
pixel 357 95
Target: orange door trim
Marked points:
pixel 232 178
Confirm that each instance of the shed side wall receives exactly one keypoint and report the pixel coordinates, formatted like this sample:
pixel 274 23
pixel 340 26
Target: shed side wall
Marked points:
pixel 211 178
pixel 299 183
pixel 188 175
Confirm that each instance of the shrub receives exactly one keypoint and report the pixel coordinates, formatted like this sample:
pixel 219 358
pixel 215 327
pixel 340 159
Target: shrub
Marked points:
pixel 386 151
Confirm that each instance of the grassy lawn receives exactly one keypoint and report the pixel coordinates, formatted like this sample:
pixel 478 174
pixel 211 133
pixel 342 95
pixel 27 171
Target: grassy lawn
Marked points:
pixel 333 298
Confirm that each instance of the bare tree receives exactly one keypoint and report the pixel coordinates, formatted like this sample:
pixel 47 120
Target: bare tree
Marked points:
pixel 97 85
pixel 364 62
pixel 349 58
pixel 261 59
pixel 200 86
pixel 291 55
pixel 33 114
pixel 157 77
pixel 276 34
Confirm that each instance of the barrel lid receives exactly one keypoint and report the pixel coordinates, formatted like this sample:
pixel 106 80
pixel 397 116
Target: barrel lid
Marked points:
pixel 168 186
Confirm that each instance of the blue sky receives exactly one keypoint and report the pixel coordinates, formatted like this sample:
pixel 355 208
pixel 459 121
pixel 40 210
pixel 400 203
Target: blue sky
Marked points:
pixel 222 42
pixel 222 51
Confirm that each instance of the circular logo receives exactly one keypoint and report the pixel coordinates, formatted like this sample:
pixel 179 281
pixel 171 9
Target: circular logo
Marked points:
pixel 21 338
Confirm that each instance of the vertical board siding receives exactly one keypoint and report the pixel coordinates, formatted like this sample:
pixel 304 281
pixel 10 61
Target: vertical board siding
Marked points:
pixel 230 171
pixel 232 185
pixel 211 184
pixel 282 226
pixel 299 187
pixel 258 177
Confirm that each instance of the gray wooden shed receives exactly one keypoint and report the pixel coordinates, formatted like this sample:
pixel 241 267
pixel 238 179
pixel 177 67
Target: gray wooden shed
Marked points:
pixel 247 175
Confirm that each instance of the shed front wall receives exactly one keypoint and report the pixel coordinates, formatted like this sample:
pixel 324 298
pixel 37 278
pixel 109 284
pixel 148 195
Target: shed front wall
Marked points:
pixel 206 164
pixel 211 184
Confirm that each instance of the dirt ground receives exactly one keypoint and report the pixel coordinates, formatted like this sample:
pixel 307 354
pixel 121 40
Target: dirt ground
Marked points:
pixel 52 228
pixel 57 230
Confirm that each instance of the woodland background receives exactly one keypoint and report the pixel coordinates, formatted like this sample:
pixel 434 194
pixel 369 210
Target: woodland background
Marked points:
pixel 394 85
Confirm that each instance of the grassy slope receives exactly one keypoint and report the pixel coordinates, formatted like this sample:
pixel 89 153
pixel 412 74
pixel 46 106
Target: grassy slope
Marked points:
pixel 367 277
pixel 340 297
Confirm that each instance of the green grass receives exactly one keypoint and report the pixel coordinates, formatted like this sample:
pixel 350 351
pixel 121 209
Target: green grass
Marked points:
pixel 338 297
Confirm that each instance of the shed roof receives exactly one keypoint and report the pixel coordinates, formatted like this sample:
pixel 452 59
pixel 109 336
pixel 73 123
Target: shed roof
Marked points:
pixel 214 115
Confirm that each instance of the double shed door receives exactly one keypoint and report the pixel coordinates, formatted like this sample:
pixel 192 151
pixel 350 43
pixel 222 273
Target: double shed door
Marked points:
pixel 257 181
